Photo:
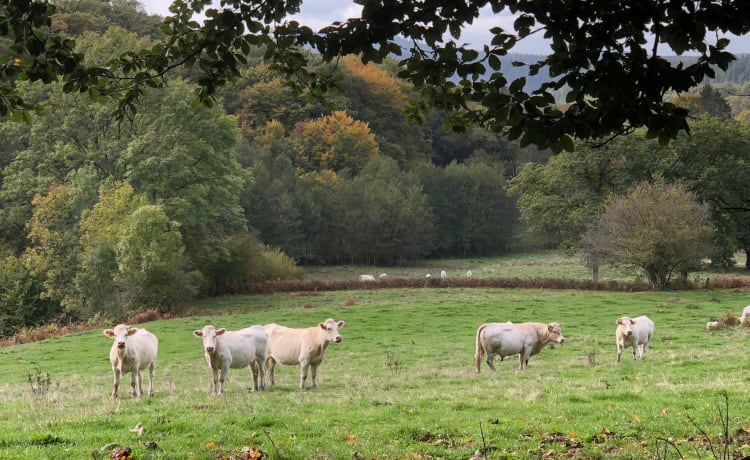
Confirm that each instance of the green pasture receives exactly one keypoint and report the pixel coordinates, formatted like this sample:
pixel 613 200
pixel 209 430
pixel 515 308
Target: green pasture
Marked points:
pixel 402 384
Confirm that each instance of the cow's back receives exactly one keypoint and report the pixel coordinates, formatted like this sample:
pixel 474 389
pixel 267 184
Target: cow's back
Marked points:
pixel 284 343
pixel 244 346
pixel 643 329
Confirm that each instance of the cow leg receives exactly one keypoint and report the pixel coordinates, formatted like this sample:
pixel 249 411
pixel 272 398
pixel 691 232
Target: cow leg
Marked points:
pixel 116 384
pixel 215 381
pixel 478 360
pixel 491 360
pixel 151 379
pixel 270 364
pixel 303 374
pixel 313 373
pixel 254 370
pixel 635 347
pixel 262 370
pixel 524 358
pixel 619 352
pixel 135 382
pixel 222 377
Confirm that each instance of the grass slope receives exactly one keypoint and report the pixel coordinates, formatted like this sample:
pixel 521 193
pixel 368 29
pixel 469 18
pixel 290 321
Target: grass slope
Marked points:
pixel 402 383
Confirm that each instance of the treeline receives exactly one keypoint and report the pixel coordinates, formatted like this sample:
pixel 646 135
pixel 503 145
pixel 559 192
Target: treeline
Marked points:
pixel 105 218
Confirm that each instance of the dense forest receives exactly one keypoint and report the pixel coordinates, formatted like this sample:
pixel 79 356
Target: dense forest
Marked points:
pixel 101 217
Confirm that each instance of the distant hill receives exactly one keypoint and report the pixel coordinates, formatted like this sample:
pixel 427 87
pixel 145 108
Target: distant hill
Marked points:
pixel 738 71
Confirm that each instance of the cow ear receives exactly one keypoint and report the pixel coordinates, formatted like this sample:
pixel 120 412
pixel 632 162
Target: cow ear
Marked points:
pixel 220 331
pixel 132 330
pixel 109 332
pixel 198 333
pixel 341 324
pixel 619 320
pixel 632 321
pixel 322 326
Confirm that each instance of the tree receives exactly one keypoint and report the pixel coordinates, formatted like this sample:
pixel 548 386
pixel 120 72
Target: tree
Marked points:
pixel 659 228
pixel 610 63
pixel 335 142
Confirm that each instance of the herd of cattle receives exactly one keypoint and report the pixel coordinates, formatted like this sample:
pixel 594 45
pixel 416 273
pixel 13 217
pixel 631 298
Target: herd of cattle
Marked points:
pixel 262 347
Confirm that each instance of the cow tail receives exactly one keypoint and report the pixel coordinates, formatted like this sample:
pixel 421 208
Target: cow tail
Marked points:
pixel 480 351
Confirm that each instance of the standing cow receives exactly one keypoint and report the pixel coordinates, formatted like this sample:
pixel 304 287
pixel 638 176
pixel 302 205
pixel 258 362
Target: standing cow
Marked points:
pixel 226 350
pixel 305 347
pixel 635 332
pixel 507 339
pixel 133 350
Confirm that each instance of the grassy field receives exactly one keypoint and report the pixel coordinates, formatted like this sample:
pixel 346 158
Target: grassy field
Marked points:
pixel 402 384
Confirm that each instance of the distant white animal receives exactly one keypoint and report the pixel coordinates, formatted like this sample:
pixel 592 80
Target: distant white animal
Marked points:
pixel 469 274
pixel 635 332
pixel 305 347
pixel 382 276
pixel 366 278
pixel 443 275
pixel 428 276
pixel 133 350
pixel 507 339
pixel 226 350
pixel 713 325
pixel 745 314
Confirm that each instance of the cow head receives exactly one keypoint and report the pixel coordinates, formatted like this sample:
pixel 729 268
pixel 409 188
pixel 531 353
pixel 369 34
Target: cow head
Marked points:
pixel 626 325
pixel 120 334
pixel 331 330
pixel 554 332
pixel 209 334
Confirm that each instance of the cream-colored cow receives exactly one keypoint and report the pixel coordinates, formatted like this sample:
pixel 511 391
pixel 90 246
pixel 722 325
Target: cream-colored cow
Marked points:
pixel 226 350
pixel 635 332
pixel 305 347
pixel 507 339
pixel 133 350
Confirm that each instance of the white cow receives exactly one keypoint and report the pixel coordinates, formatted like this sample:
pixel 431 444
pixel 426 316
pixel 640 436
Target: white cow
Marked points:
pixel 745 314
pixel 469 274
pixel 507 339
pixel 382 276
pixel 367 278
pixel 635 332
pixel 443 275
pixel 305 347
pixel 226 350
pixel 133 350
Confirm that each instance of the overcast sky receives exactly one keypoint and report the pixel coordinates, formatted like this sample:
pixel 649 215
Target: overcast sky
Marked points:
pixel 319 13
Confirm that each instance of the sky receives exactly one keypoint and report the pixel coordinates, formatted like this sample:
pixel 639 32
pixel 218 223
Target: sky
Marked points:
pixel 319 13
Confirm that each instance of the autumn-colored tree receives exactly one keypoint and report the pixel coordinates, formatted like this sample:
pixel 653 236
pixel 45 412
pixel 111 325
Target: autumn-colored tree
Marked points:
pixel 335 142
pixel 659 228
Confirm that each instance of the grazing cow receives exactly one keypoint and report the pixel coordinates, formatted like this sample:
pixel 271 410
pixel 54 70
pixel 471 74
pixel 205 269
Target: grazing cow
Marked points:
pixel 305 347
pixel 507 339
pixel 133 350
pixel 382 276
pixel 635 332
pixel 713 325
pixel 226 350
pixel 745 314
pixel 366 278
pixel 443 275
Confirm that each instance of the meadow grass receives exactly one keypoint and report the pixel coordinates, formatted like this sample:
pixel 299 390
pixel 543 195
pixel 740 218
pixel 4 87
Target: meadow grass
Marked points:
pixel 402 384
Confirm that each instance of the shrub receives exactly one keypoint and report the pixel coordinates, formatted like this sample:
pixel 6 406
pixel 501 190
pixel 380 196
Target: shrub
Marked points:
pixel 21 302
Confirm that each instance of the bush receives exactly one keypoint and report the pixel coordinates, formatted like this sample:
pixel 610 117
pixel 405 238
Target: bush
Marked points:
pixel 251 262
pixel 21 302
